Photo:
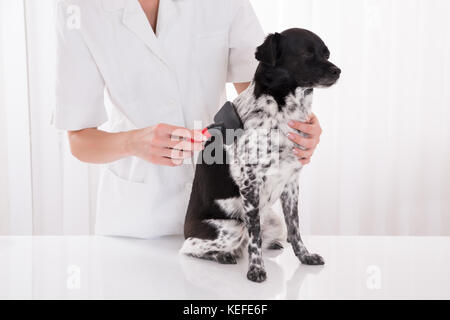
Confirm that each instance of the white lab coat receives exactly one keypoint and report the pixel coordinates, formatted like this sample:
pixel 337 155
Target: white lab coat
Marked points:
pixel 113 69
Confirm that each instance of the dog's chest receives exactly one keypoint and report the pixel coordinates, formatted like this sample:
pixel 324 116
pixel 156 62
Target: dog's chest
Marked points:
pixel 263 155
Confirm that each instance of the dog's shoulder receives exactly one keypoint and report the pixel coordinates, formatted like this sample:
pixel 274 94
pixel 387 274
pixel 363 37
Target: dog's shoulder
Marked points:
pixel 264 144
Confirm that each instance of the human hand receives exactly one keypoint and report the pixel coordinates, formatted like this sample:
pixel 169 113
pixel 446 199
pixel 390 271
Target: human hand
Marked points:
pixel 164 144
pixel 313 130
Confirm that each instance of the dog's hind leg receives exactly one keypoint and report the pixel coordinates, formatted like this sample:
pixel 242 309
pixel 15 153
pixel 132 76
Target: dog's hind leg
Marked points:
pixel 289 202
pixel 225 247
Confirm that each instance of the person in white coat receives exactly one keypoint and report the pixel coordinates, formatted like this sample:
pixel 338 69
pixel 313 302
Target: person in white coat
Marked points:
pixel 133 75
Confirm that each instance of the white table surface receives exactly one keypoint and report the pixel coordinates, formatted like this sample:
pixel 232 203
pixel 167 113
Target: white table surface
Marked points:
pixel 118 268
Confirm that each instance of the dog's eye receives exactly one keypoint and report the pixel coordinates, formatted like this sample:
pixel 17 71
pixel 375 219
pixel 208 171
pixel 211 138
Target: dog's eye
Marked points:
pixel 326 54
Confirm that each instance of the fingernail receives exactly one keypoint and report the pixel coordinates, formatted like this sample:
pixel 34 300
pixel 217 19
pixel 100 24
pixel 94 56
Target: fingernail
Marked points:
pixel 291 123
pixel 296 151
pixel 290 135
pixel 206 135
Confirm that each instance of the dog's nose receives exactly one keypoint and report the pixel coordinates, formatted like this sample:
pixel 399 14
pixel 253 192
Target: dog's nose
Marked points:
pixel 335 71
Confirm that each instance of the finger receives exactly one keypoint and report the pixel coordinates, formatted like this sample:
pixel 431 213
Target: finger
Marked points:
pixel 162 161
pixel 167 130
pixel 191 135
pixel 307 143
pixel 172 153
pixel 185 145
pixel 315 122
pixel 311 129
pixel 313 119
pixel 303 153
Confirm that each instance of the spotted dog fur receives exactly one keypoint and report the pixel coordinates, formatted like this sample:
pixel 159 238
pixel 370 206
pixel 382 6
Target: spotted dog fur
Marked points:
pixel 231 203
pixel 260 186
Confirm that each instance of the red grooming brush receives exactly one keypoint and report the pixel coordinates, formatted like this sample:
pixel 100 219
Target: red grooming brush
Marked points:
pixel 226 118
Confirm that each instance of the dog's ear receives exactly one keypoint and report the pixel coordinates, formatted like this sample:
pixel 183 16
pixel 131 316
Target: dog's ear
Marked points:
pixel 267 52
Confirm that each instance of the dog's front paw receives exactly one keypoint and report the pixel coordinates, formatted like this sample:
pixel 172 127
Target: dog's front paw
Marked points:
pixel 256 274
pixel 312 259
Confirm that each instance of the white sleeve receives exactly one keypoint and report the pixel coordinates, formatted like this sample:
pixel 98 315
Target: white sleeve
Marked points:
pixel 79 87
pixel 245 35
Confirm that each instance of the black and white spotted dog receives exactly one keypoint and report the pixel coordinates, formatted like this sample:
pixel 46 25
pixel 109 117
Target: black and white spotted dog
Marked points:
pixel 231 203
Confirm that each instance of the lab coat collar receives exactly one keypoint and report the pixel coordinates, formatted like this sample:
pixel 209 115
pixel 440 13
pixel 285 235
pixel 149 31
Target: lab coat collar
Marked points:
pixel 135 20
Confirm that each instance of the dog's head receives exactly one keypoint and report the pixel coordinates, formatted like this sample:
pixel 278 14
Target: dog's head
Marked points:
pixel 294 58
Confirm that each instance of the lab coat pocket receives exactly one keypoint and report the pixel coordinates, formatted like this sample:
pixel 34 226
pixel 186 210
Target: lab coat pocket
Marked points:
pixel 140 210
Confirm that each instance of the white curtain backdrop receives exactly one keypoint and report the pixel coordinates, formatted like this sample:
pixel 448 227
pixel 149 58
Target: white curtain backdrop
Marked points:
pixel 382 167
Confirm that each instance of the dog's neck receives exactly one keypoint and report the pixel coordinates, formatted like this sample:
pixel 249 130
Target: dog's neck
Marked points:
pixel 296 104
pixel 275 82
